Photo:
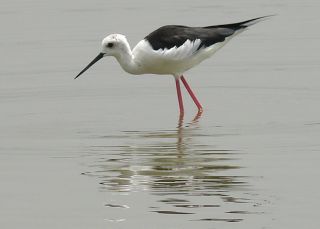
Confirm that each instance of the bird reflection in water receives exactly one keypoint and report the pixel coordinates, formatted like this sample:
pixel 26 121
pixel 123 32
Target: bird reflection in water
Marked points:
pixel 174 165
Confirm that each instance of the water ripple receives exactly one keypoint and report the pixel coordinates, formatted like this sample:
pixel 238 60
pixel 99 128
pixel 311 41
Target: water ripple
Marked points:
pixel 180 169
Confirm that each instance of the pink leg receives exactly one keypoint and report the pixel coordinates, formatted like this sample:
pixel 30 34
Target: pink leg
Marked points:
pixel 194 98
pixel 179 96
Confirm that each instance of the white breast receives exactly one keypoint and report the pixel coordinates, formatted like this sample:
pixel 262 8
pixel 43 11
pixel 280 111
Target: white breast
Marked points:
pixel 172 61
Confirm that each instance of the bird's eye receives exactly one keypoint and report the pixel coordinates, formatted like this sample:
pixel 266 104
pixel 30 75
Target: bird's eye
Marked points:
pixel 110 45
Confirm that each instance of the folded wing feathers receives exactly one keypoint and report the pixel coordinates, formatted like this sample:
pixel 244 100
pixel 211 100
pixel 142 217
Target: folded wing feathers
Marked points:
pixel 184 51
pixel 189 40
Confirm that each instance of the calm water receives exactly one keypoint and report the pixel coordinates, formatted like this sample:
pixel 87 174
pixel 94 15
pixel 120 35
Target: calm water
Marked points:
pixel 109 151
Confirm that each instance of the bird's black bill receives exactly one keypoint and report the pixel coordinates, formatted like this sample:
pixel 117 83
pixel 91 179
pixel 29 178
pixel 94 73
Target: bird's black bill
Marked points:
pixel 90 64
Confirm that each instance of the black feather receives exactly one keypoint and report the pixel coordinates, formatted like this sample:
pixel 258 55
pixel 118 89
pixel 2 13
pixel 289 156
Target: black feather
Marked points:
pixel 170 36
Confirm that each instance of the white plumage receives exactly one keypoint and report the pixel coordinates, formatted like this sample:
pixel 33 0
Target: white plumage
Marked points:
pixel 171 50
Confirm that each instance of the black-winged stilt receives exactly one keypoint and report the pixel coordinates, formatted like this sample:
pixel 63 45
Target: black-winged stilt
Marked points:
pixel 171 50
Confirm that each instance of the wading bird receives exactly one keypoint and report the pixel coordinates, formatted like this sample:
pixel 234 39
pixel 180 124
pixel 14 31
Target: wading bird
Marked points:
pixel 171 50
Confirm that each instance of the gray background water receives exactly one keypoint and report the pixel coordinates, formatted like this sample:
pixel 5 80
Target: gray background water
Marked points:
pixel 108 151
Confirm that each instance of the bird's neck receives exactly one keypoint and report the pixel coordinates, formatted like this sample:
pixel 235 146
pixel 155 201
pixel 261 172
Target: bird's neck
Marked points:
pixel 127 61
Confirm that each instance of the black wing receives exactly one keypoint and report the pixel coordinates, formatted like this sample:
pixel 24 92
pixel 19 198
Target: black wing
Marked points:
pixel 170 36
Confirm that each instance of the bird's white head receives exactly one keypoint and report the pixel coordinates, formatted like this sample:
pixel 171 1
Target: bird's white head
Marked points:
pixel 113 45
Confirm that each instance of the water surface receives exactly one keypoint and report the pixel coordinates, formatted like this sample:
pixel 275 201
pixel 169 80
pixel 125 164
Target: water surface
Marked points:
pixel 108 150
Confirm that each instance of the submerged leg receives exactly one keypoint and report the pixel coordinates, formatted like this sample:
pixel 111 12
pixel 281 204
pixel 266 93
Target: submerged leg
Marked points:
pixel 194 98
pixel 179 96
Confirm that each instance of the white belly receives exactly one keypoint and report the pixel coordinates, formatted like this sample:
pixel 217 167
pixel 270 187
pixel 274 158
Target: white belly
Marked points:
pixel 172 61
